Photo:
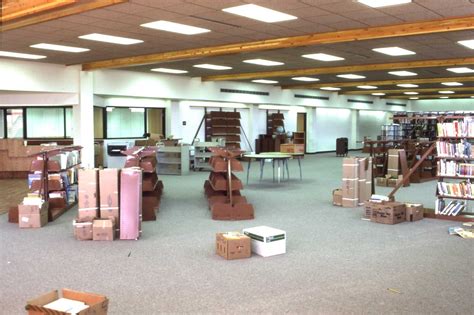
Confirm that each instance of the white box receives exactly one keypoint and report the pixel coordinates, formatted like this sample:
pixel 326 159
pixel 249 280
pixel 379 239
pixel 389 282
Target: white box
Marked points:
pixel 267 241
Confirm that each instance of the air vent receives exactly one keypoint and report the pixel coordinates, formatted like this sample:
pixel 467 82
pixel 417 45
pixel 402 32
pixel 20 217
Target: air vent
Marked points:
pixel 244 92
pixel 324 98
pixel 396 104
pixel 359 101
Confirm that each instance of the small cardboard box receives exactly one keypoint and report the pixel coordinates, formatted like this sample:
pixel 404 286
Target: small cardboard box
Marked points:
pixel 97 304
pixel 388 212
pixel 414 211
pixel 267 241
pixel 393 182
pixel 88 203
pixel 337 197
pixel 233 245
pixel 381 181
pixel 82 229
pixel 103 229
pixel 32 216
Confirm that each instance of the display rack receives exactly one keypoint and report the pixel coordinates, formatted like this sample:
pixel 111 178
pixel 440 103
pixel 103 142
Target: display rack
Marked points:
pixel 202 155
pixel 57 181
pixel 173 160
pixel 226 125
pixel 223 187
pixel 274 121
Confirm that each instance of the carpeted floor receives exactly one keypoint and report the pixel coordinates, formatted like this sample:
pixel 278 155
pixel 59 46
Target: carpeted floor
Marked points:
pixel 335 262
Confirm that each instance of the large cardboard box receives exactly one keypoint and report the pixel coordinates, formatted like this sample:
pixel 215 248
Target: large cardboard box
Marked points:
pixel 350 192
pixel 82 230
pixel 103 229
pixel 389 213
pixel 233 245
pixel 88 203
pixel 381 181
pixel 109 193
pixel 97 304
pixel 32 216
pixel 365 179
pixel 337 197
pixel 393 165
pixel 414 211
pixel 350 168
pixel 267 241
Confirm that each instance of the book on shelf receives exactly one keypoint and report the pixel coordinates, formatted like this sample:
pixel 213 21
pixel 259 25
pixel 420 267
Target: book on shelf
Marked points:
pixel 453 168
pixel 453 208
pixel 454 150
pixel 462 189
pixel 457 128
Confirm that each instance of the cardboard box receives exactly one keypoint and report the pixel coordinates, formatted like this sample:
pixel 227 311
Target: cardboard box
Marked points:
pixel 130 203
pixel 88 203
pixel 350 192
pixel 233 245
pixel 32 216
pixel 267 241
pixel 103 229
pixel 109 193
pixel 97 304
pixel 393 165
pixel 381 181
pixel 350 168
pixel 82 229
pixel 393 182
pixel 13 214
pixel 337 197
pixel 414 211
pixel 291 148
pixel 388 212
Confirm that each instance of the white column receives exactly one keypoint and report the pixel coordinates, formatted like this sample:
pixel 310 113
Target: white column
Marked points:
pixel 84 118
pixel 354 132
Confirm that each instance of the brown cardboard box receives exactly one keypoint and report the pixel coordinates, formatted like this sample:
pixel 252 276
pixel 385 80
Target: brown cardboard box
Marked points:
pixel 291 148
pixel 350 168
pixel 393 182
pixel 88 203
pixel 388 212
pixel 414 211
pixel 337 197
pixel 98 304
pixel 13 214
pixel 82 229
pixel 103 229
pixel 381 181
pixel 369 208
pixel 350 189
pixel 233 245
pixel 109 193
pixel 32 216
pixel 393 166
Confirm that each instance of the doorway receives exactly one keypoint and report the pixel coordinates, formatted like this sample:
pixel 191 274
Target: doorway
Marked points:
pixel 301 125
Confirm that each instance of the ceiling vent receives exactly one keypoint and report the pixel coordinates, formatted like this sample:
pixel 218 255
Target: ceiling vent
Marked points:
pixel 244 92
pixel 395 104
pixel 324 98
pixel 359 101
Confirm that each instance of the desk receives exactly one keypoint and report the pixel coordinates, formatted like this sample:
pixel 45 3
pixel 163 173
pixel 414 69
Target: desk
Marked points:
pixel 280 158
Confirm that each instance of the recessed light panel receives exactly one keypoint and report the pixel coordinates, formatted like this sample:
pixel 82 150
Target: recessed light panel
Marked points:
pixel 366 87
pixel 167 70
pixel 175 27
pixel 461 70
pixel 11 54
pixel 444 97
pixel 212 67
pixel 263 62
pixel 350 76
pixel 256 12
pixel 394 51
pixel 323 57
pixel 403 73
pixel 382 3
pixel 305 79
pixel 60 48
pixel 452 83
pixel 378 94
pixel 446 92
pixel 467 43
pixel 410 93
pixel 414 98
pixel 408 85
pixel 111 39
pixel 265 81
pixel 330 88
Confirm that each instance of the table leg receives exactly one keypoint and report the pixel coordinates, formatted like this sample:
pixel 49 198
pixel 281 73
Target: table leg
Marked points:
pixel 299 164
pixel 273 166
pixel 279 171
pixel 287 169
pixel 262 165
pixel 248 170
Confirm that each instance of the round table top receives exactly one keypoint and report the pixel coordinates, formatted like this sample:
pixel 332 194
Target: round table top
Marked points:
pixel 269 155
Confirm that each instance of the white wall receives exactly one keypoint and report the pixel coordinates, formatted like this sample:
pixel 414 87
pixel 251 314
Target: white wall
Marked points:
pixel 442 105
pixel 329 124
pixel 369 123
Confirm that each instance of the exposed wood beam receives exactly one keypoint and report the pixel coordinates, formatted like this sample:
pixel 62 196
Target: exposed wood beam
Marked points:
pixel 431 96
pixel 16 9
pixel 377 83
pixel 59 13
pixel 407 29
pixel 363 92
pixel 342 69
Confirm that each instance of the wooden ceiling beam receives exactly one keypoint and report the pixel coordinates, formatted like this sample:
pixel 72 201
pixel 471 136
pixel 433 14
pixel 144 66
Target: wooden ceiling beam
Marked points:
pixel 407 29
pixel 406 65
pixel 363 92
pixel 431 96
pixel 377 83
pixel 58 13
pixel 16 9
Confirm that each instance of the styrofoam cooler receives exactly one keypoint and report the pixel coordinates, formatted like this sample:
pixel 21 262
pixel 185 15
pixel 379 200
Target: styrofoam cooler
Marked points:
pixel 267 241
pixel 130 203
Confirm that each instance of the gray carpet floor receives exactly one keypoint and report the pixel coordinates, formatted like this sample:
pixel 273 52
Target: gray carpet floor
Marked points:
pixel 335 263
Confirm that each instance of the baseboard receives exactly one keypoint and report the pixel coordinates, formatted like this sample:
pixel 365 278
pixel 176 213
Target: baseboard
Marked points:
pixel 331 151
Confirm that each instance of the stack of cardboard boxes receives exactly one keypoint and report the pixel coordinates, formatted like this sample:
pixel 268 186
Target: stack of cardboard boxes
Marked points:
pixel 356 182
pixel 393 176
pixel 391 212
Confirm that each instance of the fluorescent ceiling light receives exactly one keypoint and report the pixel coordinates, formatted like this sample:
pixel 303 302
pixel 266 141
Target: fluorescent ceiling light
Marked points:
pixel 461 70
pixel 366 87
pixel 137 110
pixel 452 83
pixel 410 93
pixel 472 96
pixel 403 73
pixel 330 88
pixel 414 98
pixel 444 97
pixel 265 81
pixel 212 67
pixel 394 51
pixel 351 76
pixel 323 57
pixel 11 54
pixel 408 85
pixel 467 43
pixel 382 3
pixel 263 62
pixel 175 27
pixel 111 39
pixel 378 94
pixel 256 12
pixel 446 92
pixel 60 48
pixel 305 79
pixel 167 70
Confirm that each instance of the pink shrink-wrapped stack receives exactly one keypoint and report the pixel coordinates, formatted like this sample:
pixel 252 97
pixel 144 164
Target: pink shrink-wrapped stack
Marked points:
pixel 130 203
